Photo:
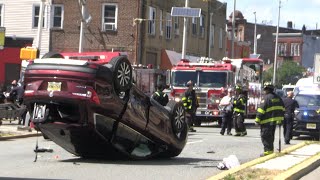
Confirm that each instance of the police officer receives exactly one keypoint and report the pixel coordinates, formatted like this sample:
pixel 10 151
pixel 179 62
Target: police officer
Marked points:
pixel 190 104
pixel 269 113
pixel 290 105
pixel 159 96
pixel 239 106
pixel 226 105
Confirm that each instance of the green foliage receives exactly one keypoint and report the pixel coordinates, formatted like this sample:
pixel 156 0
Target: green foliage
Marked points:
pixel 289 72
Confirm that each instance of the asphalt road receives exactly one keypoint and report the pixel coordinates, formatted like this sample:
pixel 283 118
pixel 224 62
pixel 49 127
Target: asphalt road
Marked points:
pixel 204 150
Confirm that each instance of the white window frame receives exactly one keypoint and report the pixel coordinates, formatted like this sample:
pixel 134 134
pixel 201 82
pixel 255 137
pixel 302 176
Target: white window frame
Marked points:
pixel 54 6
pixel 220 38
pixel 114 25
pixel 295 49
pixel 176 25
pixel 201 25
pixel 194 25
pixel 152 21
pixel 168 25
pixel 1 15
pixel 160 22
pixel 35 25
pixel 212 36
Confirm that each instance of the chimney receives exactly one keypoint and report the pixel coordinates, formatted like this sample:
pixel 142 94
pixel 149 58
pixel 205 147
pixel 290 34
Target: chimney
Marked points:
pixel 289 24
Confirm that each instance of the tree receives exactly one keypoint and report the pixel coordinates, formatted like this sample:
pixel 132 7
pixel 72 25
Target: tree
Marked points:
pixel 288 72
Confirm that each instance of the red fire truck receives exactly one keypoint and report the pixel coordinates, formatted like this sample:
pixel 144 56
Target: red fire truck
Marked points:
pixel 212 79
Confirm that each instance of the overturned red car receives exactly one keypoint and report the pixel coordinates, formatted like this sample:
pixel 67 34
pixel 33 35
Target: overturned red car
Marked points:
pixel 93 109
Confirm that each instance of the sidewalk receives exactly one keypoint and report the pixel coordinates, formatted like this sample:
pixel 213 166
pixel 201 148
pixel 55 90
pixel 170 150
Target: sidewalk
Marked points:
pixel 292 163
pixel 11 130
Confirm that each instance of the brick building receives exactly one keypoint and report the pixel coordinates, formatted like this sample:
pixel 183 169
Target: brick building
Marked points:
pixel 142 28
pixel 244 32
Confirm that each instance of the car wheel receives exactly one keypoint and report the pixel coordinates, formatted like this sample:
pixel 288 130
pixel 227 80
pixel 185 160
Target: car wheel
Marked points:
pixel 122 74
pixel 178 120
pixel 52 55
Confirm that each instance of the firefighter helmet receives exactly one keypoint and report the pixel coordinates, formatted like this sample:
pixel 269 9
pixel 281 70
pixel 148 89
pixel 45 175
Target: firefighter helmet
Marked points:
pixel 238 88
pixel 190 83
pixel 268 85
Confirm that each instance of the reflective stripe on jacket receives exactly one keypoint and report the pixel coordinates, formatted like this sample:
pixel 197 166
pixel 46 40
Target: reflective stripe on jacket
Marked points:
pixel 239 104
pixel 271 110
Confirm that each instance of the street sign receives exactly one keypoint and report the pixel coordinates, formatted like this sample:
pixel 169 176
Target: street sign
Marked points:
pixel 2 36
pixel 316 74
pixel 185 12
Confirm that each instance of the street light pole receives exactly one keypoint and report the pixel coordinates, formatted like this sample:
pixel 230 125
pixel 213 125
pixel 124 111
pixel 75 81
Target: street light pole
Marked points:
pixel 184 38
pixel 255 34
pixel 276 48
pixel 232 33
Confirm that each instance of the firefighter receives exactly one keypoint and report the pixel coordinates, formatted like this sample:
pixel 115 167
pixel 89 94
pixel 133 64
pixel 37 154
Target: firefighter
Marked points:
pixel 269 113
pixel 239 106
pixel 190 104
pixel 160 96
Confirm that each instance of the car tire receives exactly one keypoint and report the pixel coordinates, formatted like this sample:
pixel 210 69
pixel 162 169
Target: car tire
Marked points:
pixel 52 55
pixel 122 74
pixel 178 120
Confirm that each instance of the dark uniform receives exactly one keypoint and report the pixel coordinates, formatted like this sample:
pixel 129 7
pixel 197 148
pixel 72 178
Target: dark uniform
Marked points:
pixel 290 105
pixel 190 104
pixel 269 113
pixel 239 106
pixel 160 97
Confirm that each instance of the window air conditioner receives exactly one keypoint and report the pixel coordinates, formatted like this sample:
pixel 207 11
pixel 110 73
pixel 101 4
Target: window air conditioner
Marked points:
pixel 176 31
pixel 109 27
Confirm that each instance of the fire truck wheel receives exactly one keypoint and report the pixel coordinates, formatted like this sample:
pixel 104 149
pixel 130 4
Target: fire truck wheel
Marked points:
pixel 52 55
pixel 122 73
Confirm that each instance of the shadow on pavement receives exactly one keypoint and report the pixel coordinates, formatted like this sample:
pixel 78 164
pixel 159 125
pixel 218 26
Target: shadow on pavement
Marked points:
pixel 156 161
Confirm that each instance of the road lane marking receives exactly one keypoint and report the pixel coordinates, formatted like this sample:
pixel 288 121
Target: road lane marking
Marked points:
pixel 193 142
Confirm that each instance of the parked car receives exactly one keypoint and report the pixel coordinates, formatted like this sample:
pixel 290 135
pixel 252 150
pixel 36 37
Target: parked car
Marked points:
pixel 307 116
pixel 280 92
pixel 94 110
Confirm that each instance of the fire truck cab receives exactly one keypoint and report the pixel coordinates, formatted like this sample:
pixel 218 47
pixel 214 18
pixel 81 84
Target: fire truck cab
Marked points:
pixel 212 79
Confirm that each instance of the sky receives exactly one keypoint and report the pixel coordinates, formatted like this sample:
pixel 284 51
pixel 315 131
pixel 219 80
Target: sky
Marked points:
pixel 300 12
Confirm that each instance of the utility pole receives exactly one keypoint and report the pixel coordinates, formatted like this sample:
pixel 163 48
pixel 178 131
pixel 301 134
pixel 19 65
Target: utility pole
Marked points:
pixel 255 34
pixel 233 26
pixel 184 38
pixel 276 48
pixel 40 24
pixel 83 4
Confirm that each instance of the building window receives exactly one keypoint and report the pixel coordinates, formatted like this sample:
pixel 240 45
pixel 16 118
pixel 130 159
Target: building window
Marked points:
pixel 176 25
pixel 282 49
pixel 220 38
pixel 201 30
pixel 168 26
pixel 212 36
pixel 194 26
pixel 160 23
pixel 110 16
pixel 1 15
pixel 152 22
pixel 36 16
pixel 295 49
pixel 57 18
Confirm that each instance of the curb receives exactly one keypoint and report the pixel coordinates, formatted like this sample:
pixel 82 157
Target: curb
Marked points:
pixel 256 161
pixel 301 169
pixel 19 136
